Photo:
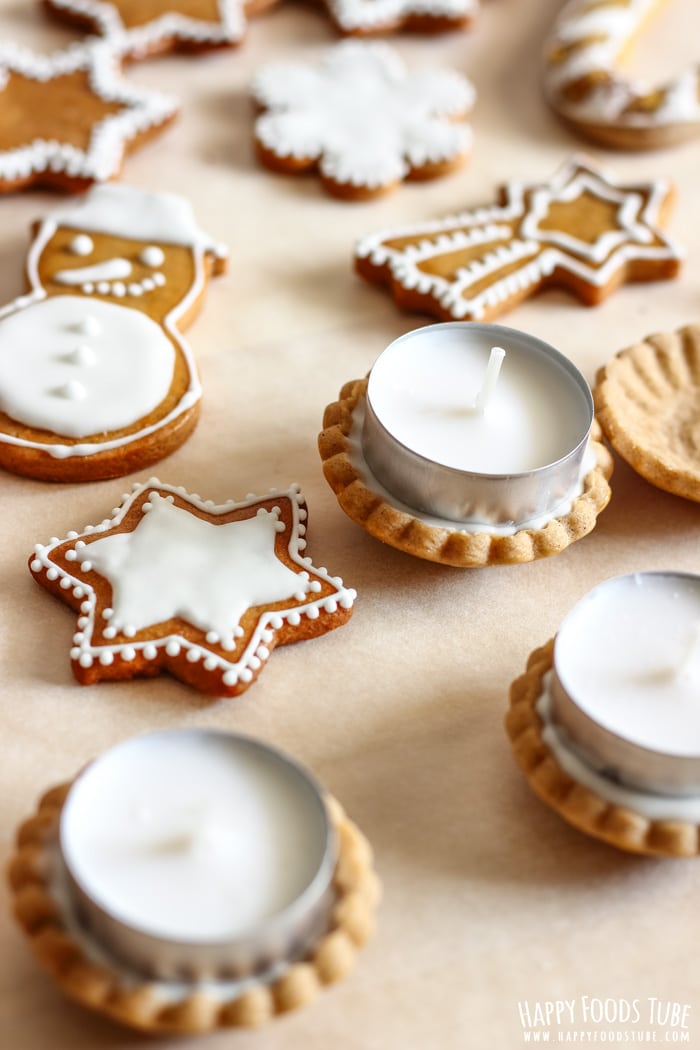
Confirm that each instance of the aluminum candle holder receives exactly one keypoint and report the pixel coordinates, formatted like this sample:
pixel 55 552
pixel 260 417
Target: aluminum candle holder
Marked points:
pixel 197 854
pixel 428 440
pixel 625 682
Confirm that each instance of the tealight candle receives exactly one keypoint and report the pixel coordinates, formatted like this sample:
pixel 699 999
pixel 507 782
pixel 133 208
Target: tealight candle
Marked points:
pixel 477 423
pixel 625 687
pixel 196 853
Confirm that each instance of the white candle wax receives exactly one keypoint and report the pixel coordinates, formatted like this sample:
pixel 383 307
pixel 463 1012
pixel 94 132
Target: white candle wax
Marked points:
pixel 628 655
pixel 423 390
pixel 193 836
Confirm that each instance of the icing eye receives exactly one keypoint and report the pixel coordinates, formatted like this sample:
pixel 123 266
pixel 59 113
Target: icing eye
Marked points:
pixel 152 255
pixel 81 245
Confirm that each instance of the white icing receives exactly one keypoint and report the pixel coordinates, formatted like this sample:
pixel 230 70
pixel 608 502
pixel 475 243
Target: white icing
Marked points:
pixel 108 270
pixel 655 807
pixel 138 41
pixel 365 119
pixel 207 587
pixel 101 211
pixel 141 215
pixel 152 256
pixel 511 233
pixel 140 111
pixel 88 325
pixel 595 37
pixel 374 15
pixel 81 245
pixel 48 382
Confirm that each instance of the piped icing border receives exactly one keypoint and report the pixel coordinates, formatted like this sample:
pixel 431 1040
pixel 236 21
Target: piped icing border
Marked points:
pixel 64 566
pixel 139 41
pixel 583 85
pixel 516 255
pixel 84 972
pixel 365 17
pixel 312 112
pixel 144 111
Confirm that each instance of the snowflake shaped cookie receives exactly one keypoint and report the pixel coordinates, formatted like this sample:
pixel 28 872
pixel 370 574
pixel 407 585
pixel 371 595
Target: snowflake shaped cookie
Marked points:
pixel 579 231
pixel 362 120
pixel 140 28
pixel 68 119
pixel 172 582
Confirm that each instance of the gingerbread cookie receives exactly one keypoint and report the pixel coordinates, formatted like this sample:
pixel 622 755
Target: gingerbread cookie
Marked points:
pixel 96 380
pixel 68 119
pixel 579 231
pixel 173 582
pixel 585 88
pixel 408 120
pixel 141 28
pixel 648 401
pixel 146 27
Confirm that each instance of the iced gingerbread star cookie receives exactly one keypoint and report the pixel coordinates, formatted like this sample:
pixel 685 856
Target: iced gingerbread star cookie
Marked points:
pixel 580 231
pixel 140 28
pixel 587 89
pixel 96 379
pixel 68 119
pixel 362 120
pixel 172 582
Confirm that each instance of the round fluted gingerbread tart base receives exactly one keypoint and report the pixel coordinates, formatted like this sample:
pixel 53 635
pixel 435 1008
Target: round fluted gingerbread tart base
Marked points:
pixel 365 501
pixel 85 972
pixel 577 803
pixel 648 402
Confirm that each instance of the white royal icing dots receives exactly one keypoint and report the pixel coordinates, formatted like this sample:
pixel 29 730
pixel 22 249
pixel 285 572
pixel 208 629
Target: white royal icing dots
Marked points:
pixel 365 119
pixel 81 245
pixel 175 564
pixel 152 256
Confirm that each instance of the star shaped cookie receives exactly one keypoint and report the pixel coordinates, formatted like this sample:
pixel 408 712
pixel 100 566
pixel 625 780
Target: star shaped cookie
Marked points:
pixel 579 231
pixel 146 27
pixel 140 28
pixel 68 119
pixel 172 582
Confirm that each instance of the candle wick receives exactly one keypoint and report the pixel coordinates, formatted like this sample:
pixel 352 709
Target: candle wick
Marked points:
pixel 488 386
pixel 692 651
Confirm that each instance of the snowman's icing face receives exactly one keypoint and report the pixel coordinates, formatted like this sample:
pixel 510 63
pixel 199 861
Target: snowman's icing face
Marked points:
pixel 148 276
pixel 80 368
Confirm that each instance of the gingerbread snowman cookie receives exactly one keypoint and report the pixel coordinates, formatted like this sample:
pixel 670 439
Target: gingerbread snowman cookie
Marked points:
pixel 96 379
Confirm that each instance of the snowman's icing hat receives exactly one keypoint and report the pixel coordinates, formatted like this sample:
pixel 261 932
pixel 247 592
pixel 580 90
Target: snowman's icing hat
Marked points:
pixel 144 215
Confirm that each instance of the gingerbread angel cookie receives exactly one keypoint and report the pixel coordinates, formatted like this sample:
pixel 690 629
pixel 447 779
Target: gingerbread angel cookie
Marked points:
pixel 68 119
pixel 579 231
pixel 411 123
pixel 96 380
pixel 173 582
pixel 587 89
